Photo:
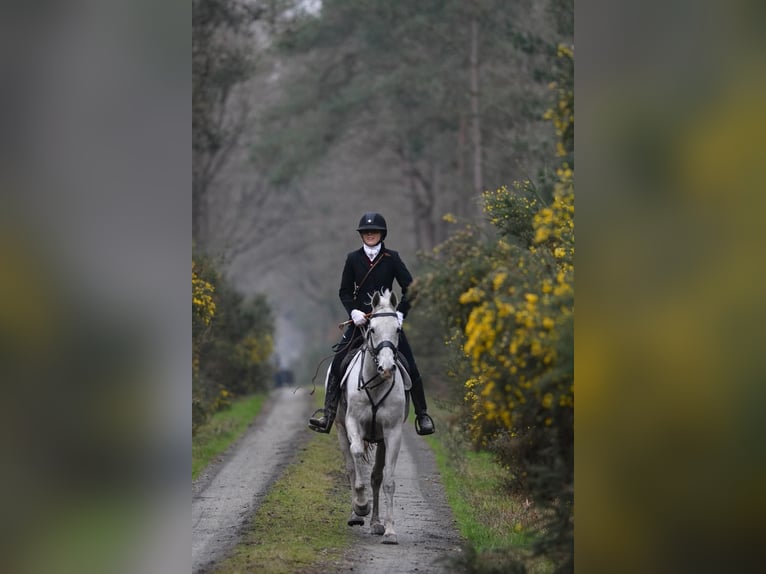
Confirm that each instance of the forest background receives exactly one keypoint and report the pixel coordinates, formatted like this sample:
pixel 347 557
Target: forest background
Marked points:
pixel 304 118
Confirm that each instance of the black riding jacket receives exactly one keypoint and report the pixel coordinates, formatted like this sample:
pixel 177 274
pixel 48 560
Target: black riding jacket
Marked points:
pixel 356 291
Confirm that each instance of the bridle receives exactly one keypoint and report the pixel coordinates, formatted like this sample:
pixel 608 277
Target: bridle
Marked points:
pixel 374 351
pixel 383 344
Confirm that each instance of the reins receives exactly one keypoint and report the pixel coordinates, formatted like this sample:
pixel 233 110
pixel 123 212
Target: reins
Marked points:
pixel 336 350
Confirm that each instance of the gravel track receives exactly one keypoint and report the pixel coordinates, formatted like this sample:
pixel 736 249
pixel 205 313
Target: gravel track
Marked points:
pixel 227 494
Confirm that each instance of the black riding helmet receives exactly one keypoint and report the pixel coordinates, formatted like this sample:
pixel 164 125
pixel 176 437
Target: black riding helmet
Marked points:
pixel 373 222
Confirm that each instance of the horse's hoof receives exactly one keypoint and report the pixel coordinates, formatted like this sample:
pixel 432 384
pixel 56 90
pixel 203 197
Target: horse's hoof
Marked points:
pixel 389 539
pixel 377 528
pixel 362 510
pixel 355 520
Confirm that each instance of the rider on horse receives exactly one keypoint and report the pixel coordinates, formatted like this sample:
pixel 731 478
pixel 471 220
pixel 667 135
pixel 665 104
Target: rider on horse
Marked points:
pixel 368 269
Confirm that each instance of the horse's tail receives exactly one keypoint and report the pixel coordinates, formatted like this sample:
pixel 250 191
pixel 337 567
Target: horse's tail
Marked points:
pixel 368 448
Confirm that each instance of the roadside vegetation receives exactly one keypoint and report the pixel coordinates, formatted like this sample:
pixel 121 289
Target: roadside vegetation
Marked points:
pixel 500 530
pixel 232 342
pixel 502 296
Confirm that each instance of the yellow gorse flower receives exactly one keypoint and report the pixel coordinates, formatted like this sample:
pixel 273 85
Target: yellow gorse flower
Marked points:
pixel 203 305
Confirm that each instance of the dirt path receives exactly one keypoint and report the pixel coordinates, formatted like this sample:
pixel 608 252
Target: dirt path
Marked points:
pixel 225 497
pixel 424 524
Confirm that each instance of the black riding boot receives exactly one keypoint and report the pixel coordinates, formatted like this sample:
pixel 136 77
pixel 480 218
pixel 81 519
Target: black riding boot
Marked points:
pixel 323 424
pixel 423 423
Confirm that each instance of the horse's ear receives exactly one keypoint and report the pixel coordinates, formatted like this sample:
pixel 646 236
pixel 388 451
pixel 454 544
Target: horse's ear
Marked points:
pixel 375 299
pixel 394 300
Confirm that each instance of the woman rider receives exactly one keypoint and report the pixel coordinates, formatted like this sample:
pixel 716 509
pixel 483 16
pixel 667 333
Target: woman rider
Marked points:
pixel 371 268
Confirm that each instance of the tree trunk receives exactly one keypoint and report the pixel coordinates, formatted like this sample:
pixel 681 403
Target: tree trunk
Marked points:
pixel 197 216
pixel 475 119
pixel 422 193
pixel 458 203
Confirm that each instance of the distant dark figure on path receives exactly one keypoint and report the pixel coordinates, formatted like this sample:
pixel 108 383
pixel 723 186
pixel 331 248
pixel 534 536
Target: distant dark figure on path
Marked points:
pixel 283 378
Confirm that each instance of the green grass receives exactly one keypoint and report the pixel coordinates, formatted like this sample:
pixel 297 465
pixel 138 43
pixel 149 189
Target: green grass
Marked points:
pixel 301 525
pixel 223 429
pixel 495 523
pixel 486 516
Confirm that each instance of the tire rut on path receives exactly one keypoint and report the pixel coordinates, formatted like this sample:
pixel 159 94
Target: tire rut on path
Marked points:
pixel 225 497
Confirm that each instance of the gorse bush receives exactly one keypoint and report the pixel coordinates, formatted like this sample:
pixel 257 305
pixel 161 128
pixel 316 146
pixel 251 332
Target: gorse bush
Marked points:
pixel 506 296
pixel 232 342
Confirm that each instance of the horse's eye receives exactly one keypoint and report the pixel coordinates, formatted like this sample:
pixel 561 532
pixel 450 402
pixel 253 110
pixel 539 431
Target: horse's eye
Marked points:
pixel 398 329
pixel 372 330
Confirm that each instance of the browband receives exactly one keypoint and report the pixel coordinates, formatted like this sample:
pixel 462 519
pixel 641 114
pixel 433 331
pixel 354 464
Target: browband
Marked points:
pixel 382 315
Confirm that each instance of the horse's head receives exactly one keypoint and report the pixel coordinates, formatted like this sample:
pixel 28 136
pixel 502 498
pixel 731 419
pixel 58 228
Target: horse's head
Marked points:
pixel 383 332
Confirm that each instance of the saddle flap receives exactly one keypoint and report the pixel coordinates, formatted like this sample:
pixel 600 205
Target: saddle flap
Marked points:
pixel 405 375
pixel 347 366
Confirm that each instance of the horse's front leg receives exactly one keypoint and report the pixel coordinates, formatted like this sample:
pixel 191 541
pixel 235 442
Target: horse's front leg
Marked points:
pixel 359 500
pixel 376 479
pixel 393 444
pixel 354 519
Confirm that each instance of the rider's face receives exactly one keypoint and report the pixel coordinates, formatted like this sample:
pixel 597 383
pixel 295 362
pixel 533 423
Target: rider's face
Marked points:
pixel 371 238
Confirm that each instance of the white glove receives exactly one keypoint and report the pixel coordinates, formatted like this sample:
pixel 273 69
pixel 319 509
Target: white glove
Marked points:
pixel 400 316
pixel 358 317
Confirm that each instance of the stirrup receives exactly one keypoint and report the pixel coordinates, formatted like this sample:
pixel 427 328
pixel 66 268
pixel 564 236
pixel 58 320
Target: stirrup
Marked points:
pixel 421 431
pixel 322 429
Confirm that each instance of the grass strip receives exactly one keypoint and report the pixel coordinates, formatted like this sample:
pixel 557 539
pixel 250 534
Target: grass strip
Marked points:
pixel 301 525
pixel 223 429
pixel 486 516
pixel 495 522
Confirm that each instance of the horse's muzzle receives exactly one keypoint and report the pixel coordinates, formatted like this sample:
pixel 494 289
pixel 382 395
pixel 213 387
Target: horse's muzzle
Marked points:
pixel 386 373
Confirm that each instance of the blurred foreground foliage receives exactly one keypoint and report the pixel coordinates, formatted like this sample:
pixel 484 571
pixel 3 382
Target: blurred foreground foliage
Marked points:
pixel 232 341
pixel 505 295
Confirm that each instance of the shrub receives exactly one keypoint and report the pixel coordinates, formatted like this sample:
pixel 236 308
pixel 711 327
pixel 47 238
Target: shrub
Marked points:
pixel 232 341
pixel 507 299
